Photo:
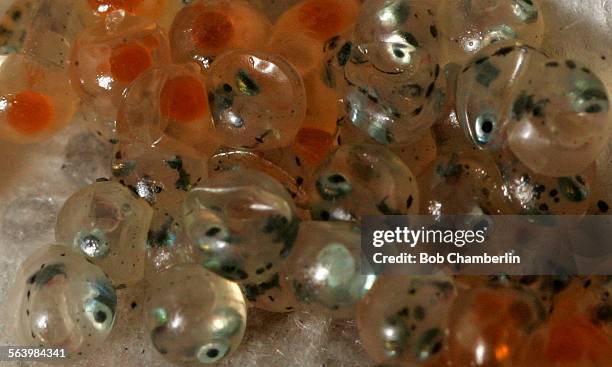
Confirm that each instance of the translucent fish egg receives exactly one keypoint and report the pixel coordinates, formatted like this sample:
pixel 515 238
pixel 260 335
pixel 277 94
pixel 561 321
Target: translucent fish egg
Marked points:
pixel 107 58
pixel 167 101
pixel 404 319
pixel 194 316
pixel 61 300
pixel 363 179
pixel 487 83
pixel 35 99
pixel 162 175
pixel 106 223
pixel 391 80
pixel 467 26
pixel 325 268
pixel 552 114
pixel 560 128
pixel 243 224
pixel 53 29
pixel 257 100
pixel 207 28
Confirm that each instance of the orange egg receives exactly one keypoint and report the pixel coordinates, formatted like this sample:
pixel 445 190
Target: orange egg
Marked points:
pixel 35 99
pixel 574 338
pixel 30 112
pixel 322 18
pixel 567 340
pixel 128 61
pixel 183 99
pixel 205 29
pixel 212 30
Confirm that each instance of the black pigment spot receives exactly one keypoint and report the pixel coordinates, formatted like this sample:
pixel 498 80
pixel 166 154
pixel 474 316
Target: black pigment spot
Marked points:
pixel 503 51
pixel 46 273
pixel 213 231
pixel 385 209
pixel 164 236
pixel 331 43
pixel 222 98
pixel 253 291
pixel 602 206
pixel 410 38
pixel 409 202
pixel 183 182
pixel 486 73
pixel 429 90
pixel 285 231
pixel 344 54
pixel 525 103
pixel 433 30
pixel 604 313
pixel 481 60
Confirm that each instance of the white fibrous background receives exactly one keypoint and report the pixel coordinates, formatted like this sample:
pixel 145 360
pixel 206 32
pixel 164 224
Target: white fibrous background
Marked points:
pixel 37 179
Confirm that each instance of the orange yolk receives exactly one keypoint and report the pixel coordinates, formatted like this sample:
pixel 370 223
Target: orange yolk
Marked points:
pixel 183 99
pixel 326 18
pixel 313 143
pixel 128 61
pixel 30 112
pixel 574 338
pixel 107 6
pixel 212 30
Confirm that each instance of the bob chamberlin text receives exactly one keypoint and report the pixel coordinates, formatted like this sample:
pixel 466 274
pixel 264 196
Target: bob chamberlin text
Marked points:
pixel 451 258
